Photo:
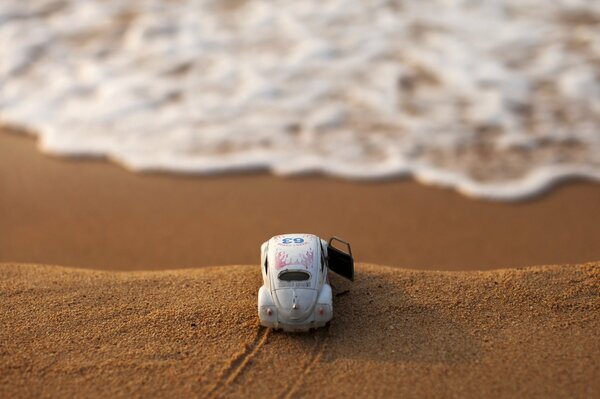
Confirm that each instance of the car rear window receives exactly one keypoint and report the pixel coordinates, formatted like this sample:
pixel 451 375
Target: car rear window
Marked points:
pixel 294 276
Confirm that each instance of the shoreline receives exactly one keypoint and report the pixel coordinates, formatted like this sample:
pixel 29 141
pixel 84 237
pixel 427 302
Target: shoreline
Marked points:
pixel 94 214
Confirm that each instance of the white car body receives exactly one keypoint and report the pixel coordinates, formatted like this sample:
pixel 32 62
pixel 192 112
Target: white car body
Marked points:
pixel 296 294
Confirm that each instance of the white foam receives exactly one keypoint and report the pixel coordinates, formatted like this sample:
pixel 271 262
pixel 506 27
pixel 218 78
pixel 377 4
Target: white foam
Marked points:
pixel 498 99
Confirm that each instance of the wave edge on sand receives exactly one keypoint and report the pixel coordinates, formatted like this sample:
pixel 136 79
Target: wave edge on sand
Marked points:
pixel 363 90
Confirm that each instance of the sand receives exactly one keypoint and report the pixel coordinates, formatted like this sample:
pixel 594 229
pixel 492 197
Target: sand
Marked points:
pixel 193 331
pixel 95 214
pixel 507 333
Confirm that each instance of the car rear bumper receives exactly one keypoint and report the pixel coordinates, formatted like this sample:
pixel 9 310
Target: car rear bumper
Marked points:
pixel 270 316
pixel 319 318
pixel 300 327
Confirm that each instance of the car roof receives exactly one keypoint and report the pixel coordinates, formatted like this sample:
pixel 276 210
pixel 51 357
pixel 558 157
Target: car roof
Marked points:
pixel 295 252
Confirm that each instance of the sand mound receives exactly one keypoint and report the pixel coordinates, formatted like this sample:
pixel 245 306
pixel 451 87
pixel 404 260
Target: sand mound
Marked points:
pixel 67 332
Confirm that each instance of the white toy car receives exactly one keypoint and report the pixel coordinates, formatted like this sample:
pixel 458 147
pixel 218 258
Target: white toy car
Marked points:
pixel 296 295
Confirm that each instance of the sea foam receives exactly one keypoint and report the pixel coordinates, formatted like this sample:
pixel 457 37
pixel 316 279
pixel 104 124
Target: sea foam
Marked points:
pixel 498 99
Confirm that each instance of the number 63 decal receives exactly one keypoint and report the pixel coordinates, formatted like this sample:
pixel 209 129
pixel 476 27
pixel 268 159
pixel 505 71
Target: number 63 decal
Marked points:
pixel 293 240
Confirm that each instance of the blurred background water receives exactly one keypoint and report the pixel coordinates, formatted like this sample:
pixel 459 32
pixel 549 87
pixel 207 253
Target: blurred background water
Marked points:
pixel 495 98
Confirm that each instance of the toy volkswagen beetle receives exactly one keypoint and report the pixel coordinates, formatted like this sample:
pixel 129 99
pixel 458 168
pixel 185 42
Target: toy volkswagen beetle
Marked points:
pixel 296 295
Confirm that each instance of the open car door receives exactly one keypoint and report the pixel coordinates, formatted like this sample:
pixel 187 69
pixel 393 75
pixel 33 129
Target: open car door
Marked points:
pixel 339 261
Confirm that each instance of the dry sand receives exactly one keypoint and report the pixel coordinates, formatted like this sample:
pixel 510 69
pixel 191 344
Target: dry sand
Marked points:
pixel 507 333
pixel 95 214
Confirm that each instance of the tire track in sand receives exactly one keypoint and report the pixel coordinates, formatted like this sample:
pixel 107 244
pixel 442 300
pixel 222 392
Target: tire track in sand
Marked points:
pixel 239 361
pixel 307 367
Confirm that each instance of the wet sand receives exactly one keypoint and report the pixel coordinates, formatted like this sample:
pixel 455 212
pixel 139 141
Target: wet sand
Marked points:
pixel 94 214
pixel 396 333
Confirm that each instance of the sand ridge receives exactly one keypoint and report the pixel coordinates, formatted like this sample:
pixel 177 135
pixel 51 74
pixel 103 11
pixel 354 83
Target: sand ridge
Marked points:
pixel 504 333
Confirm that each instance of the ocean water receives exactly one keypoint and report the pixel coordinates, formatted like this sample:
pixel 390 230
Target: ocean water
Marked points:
pixel 497 99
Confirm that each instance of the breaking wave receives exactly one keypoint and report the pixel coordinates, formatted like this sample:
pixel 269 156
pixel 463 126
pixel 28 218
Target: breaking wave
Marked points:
pixel 498 99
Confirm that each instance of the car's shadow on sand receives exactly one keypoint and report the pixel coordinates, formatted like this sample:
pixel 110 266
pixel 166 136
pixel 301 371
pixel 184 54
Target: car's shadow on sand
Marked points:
pixel 374 319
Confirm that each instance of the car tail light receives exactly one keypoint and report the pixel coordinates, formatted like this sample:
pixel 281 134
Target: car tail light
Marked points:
pixel 321 311
pixel 269 312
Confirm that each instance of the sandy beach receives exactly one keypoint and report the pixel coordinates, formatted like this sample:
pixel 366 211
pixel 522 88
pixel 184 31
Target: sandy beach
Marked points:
pixel 396 332
pixel 148 149
pixel 193 330
pixel 94 214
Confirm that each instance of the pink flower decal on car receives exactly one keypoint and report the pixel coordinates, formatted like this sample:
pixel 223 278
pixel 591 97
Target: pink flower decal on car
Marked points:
pixel 306 259
pixel 283 259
